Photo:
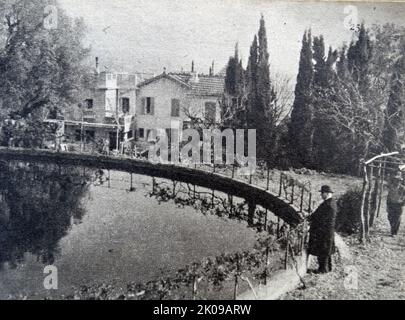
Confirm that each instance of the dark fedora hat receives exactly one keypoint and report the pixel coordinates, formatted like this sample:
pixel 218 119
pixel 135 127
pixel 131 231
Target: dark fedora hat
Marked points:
pixel 326 189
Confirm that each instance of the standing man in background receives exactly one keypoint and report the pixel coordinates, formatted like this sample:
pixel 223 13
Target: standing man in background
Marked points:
pixel 322 231
pixel 395 201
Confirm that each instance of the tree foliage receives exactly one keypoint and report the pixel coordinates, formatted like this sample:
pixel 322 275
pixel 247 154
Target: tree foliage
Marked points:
pixel 41 68
pixel 301 129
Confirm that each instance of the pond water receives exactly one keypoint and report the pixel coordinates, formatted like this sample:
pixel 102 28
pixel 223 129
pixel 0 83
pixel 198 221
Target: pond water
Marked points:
pixel 96 234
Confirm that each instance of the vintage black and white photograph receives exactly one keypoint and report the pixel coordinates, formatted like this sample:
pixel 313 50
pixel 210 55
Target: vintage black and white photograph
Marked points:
pixel 209 150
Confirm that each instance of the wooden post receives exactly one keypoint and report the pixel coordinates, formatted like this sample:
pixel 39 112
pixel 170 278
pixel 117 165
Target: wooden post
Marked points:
pixel 292 192
pixel 278 227
pixel 367 209
pixel 233 171
pixel 310 203
pixel 286 252
pixel 302 199
pixel 268 178
pixel 194 288
pixel 235 289
pixel 231 203
pixel 131 187
pixel 381 190
pixel 281 185
pixel 265 220
pixel 363 201
pixel 267 260
pixel 374 197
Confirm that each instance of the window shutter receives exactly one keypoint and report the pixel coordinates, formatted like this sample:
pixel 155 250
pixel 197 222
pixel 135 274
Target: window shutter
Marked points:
pixel 152 106
pixel 143 106
pixel 175 108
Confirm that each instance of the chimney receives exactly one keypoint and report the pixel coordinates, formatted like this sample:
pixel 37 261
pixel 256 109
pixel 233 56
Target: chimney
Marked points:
pixel 213 68
pixel 97 66
pixel 194 74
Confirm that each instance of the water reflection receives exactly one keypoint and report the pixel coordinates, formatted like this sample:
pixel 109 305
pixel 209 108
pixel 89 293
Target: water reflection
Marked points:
pixel 38 205
pixel 94 230
pixel 211 202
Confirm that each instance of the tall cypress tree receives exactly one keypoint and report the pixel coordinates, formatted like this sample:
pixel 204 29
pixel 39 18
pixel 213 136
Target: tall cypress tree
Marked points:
pixel 233 108
pixel 324 144
pixel 395 112
pixel 234 75
pixel 260 92
pixel 300 129
pixel 359 58
pixel 263 81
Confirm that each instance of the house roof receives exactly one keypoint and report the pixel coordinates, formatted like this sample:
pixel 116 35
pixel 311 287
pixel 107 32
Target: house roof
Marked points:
pixel 163 76
pixel 205 86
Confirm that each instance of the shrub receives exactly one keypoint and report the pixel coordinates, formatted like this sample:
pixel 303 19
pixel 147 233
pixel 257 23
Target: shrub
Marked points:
pixel 348 215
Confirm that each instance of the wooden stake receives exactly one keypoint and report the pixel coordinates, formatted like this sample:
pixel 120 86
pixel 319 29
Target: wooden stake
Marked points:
pixel 235 289
pixel 381 190
pixel 302 199
pixel 131 187
pixel 194 288
pixel 286 252
pixel 292 193
pixel 368 199
pixel 281 185
pixel 363 200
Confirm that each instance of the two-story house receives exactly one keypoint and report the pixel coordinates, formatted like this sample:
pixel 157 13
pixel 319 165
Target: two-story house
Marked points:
pixel 171 100
pixel 116 107
pixel 107 109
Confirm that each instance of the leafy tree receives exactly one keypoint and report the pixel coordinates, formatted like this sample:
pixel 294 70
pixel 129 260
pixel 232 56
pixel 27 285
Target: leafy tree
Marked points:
pixel 395 112
pixel 41 68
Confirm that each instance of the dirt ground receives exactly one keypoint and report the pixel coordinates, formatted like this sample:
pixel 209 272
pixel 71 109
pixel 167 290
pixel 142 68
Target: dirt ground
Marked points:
pixel 378 267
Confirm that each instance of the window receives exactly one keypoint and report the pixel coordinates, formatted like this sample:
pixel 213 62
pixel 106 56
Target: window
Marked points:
pixel 210 111
pixel 90 136
pixel 130 134
pixel 141 133
pixel 151 134
pixel 89 103
pixel 175 108
pixel 125 105
pixel 148 105
pixel 78 134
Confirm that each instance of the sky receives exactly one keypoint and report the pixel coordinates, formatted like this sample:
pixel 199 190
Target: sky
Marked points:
pixel 149 35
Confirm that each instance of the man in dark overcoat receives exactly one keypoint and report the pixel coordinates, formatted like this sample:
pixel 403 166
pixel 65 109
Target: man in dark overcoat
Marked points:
pixel 322 231
pixel 395 202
